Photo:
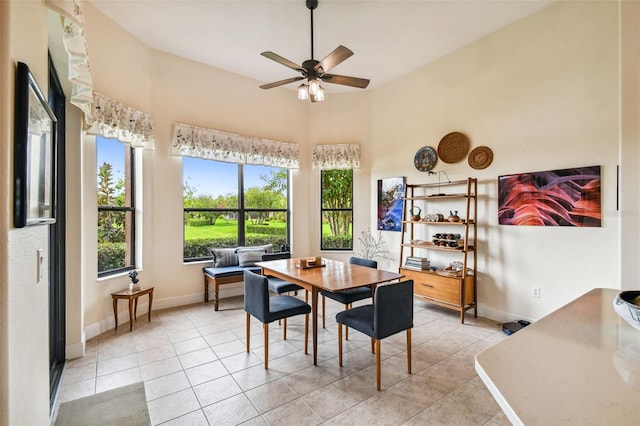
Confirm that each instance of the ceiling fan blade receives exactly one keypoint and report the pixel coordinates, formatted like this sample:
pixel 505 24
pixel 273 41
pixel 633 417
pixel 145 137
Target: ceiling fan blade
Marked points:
pixel 361 83
pixel 338 55
pixel 279 59
pixel 281 82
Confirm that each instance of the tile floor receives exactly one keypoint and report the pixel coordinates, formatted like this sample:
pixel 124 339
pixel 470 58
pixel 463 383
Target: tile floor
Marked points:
pixel 196 371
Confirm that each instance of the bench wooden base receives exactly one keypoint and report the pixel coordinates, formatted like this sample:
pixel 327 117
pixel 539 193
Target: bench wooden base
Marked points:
pixel 217 282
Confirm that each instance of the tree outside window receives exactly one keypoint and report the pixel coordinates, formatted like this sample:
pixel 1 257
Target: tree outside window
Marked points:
pixel 229 205
pixel 116 207
pixel 337 209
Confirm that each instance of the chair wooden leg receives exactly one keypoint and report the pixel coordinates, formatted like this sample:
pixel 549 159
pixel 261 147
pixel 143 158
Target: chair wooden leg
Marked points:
pixel 378 364
pixel 340 344
pixel 248 330
pixel 346 331
pixel 409 350
pixel 373 348
pixel 306 334
pixel 266 345
pixel 324 312
pixel 284 328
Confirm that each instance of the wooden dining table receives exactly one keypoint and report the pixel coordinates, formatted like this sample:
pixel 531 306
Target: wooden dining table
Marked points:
pixel 332 275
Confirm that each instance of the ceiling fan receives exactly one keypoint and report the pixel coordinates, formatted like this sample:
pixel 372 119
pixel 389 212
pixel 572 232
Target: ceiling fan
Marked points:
pixel 315 71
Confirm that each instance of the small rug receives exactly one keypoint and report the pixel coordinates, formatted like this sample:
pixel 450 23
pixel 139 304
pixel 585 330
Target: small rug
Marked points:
pixel 121 406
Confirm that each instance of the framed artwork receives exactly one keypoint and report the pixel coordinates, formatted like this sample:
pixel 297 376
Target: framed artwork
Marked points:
pixel 34 153
pixel 566 197
pixel 390 203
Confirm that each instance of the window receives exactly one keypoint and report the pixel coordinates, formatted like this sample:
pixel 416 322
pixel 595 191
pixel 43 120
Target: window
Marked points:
pixel 337 209
pixel 230 205
pixel 116 206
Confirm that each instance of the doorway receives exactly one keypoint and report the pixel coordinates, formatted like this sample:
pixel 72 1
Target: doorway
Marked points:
pixel 57 273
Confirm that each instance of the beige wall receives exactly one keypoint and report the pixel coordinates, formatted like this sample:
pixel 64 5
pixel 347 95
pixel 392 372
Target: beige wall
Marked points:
pixel 25 330
pixel 543 94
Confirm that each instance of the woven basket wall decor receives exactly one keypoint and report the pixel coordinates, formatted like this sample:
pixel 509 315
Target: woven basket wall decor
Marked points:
pixel 453 147
pixel 480 157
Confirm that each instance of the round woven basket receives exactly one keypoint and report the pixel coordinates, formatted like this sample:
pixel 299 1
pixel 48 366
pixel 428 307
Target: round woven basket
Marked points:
pixel 480 157
pixel 453 147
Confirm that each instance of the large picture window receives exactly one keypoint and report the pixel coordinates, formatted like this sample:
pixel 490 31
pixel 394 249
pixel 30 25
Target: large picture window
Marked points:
pixel 116 206
pixel 337 209
pixel 230 205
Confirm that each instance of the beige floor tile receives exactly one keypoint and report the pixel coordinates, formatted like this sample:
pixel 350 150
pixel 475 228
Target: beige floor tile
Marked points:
pixel 190 345
pixel 165 385
pixel 119 363
pixel 197 371
pixel 157 353
pixel 118 379
pixel 176 336
pixel 241 361
pixel 448 412
pixel 216 390
pixel 255 376
pixel 230 411
pixel 329 401
pixel 172 406
pixel 160 368
pixel 295 412
pixel 271 395
pixel 205 372
pixel 476 396
pixel 194 418
pixel 199 357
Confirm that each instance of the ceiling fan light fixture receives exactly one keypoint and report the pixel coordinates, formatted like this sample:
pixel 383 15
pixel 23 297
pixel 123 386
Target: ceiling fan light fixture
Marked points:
pixel 303 92
pixel 314 86
pixel 318 96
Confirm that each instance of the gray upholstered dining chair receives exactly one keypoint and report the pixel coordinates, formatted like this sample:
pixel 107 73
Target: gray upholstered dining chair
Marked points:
pixel 278 285
pixel 258 304
pixel 347 297
pixel 390 313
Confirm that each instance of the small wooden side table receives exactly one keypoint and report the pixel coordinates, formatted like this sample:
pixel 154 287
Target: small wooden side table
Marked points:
pixel 132 296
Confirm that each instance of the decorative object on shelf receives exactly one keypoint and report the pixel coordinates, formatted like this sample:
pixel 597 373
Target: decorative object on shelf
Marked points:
pixel 480 157
pixel 453 147
pixel 425 159
pixel 372 247
pixel 434 217
pixel 390 203
pixel 439 173
pixel 415 215
pixel 565 197
pixel 627 305
pixel 453 216
pixel 34 159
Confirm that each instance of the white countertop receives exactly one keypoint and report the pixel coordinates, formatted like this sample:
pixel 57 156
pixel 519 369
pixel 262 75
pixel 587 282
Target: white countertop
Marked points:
pixel 578 365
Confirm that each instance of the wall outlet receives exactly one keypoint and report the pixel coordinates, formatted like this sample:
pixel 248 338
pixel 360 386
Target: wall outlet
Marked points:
pixel 535 292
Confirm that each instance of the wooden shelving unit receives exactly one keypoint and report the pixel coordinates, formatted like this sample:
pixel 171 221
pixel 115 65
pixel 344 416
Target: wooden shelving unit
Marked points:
pixel 451 290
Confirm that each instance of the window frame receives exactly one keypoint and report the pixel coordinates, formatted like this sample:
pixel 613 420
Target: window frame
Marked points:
pixel 131 208
pixel 323 210
pixel 241 211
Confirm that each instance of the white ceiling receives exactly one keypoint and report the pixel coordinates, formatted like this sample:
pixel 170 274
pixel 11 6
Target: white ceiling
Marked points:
pixel 389 38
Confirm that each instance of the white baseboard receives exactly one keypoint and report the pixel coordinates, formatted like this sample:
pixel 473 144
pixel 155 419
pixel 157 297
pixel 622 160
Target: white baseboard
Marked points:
pixel 75 350
pixel 498 316
pixel 95 329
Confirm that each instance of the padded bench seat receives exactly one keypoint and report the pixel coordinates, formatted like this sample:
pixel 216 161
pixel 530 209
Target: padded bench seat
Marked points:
pixel 223 275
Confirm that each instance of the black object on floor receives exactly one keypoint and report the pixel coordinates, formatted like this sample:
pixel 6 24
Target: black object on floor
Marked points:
pixel 513 326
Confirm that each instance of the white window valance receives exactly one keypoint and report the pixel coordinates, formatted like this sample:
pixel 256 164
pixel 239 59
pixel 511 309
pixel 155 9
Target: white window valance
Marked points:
pixel 112 119
pixel 332 157
pixel 213 144
pixel 75 44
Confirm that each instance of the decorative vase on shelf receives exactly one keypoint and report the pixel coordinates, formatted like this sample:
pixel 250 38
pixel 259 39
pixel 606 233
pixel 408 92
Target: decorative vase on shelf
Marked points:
pixel 415 216
pixel 453 217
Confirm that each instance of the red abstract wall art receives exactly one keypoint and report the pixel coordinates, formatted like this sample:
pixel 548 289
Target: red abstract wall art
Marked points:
pixel 567 197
